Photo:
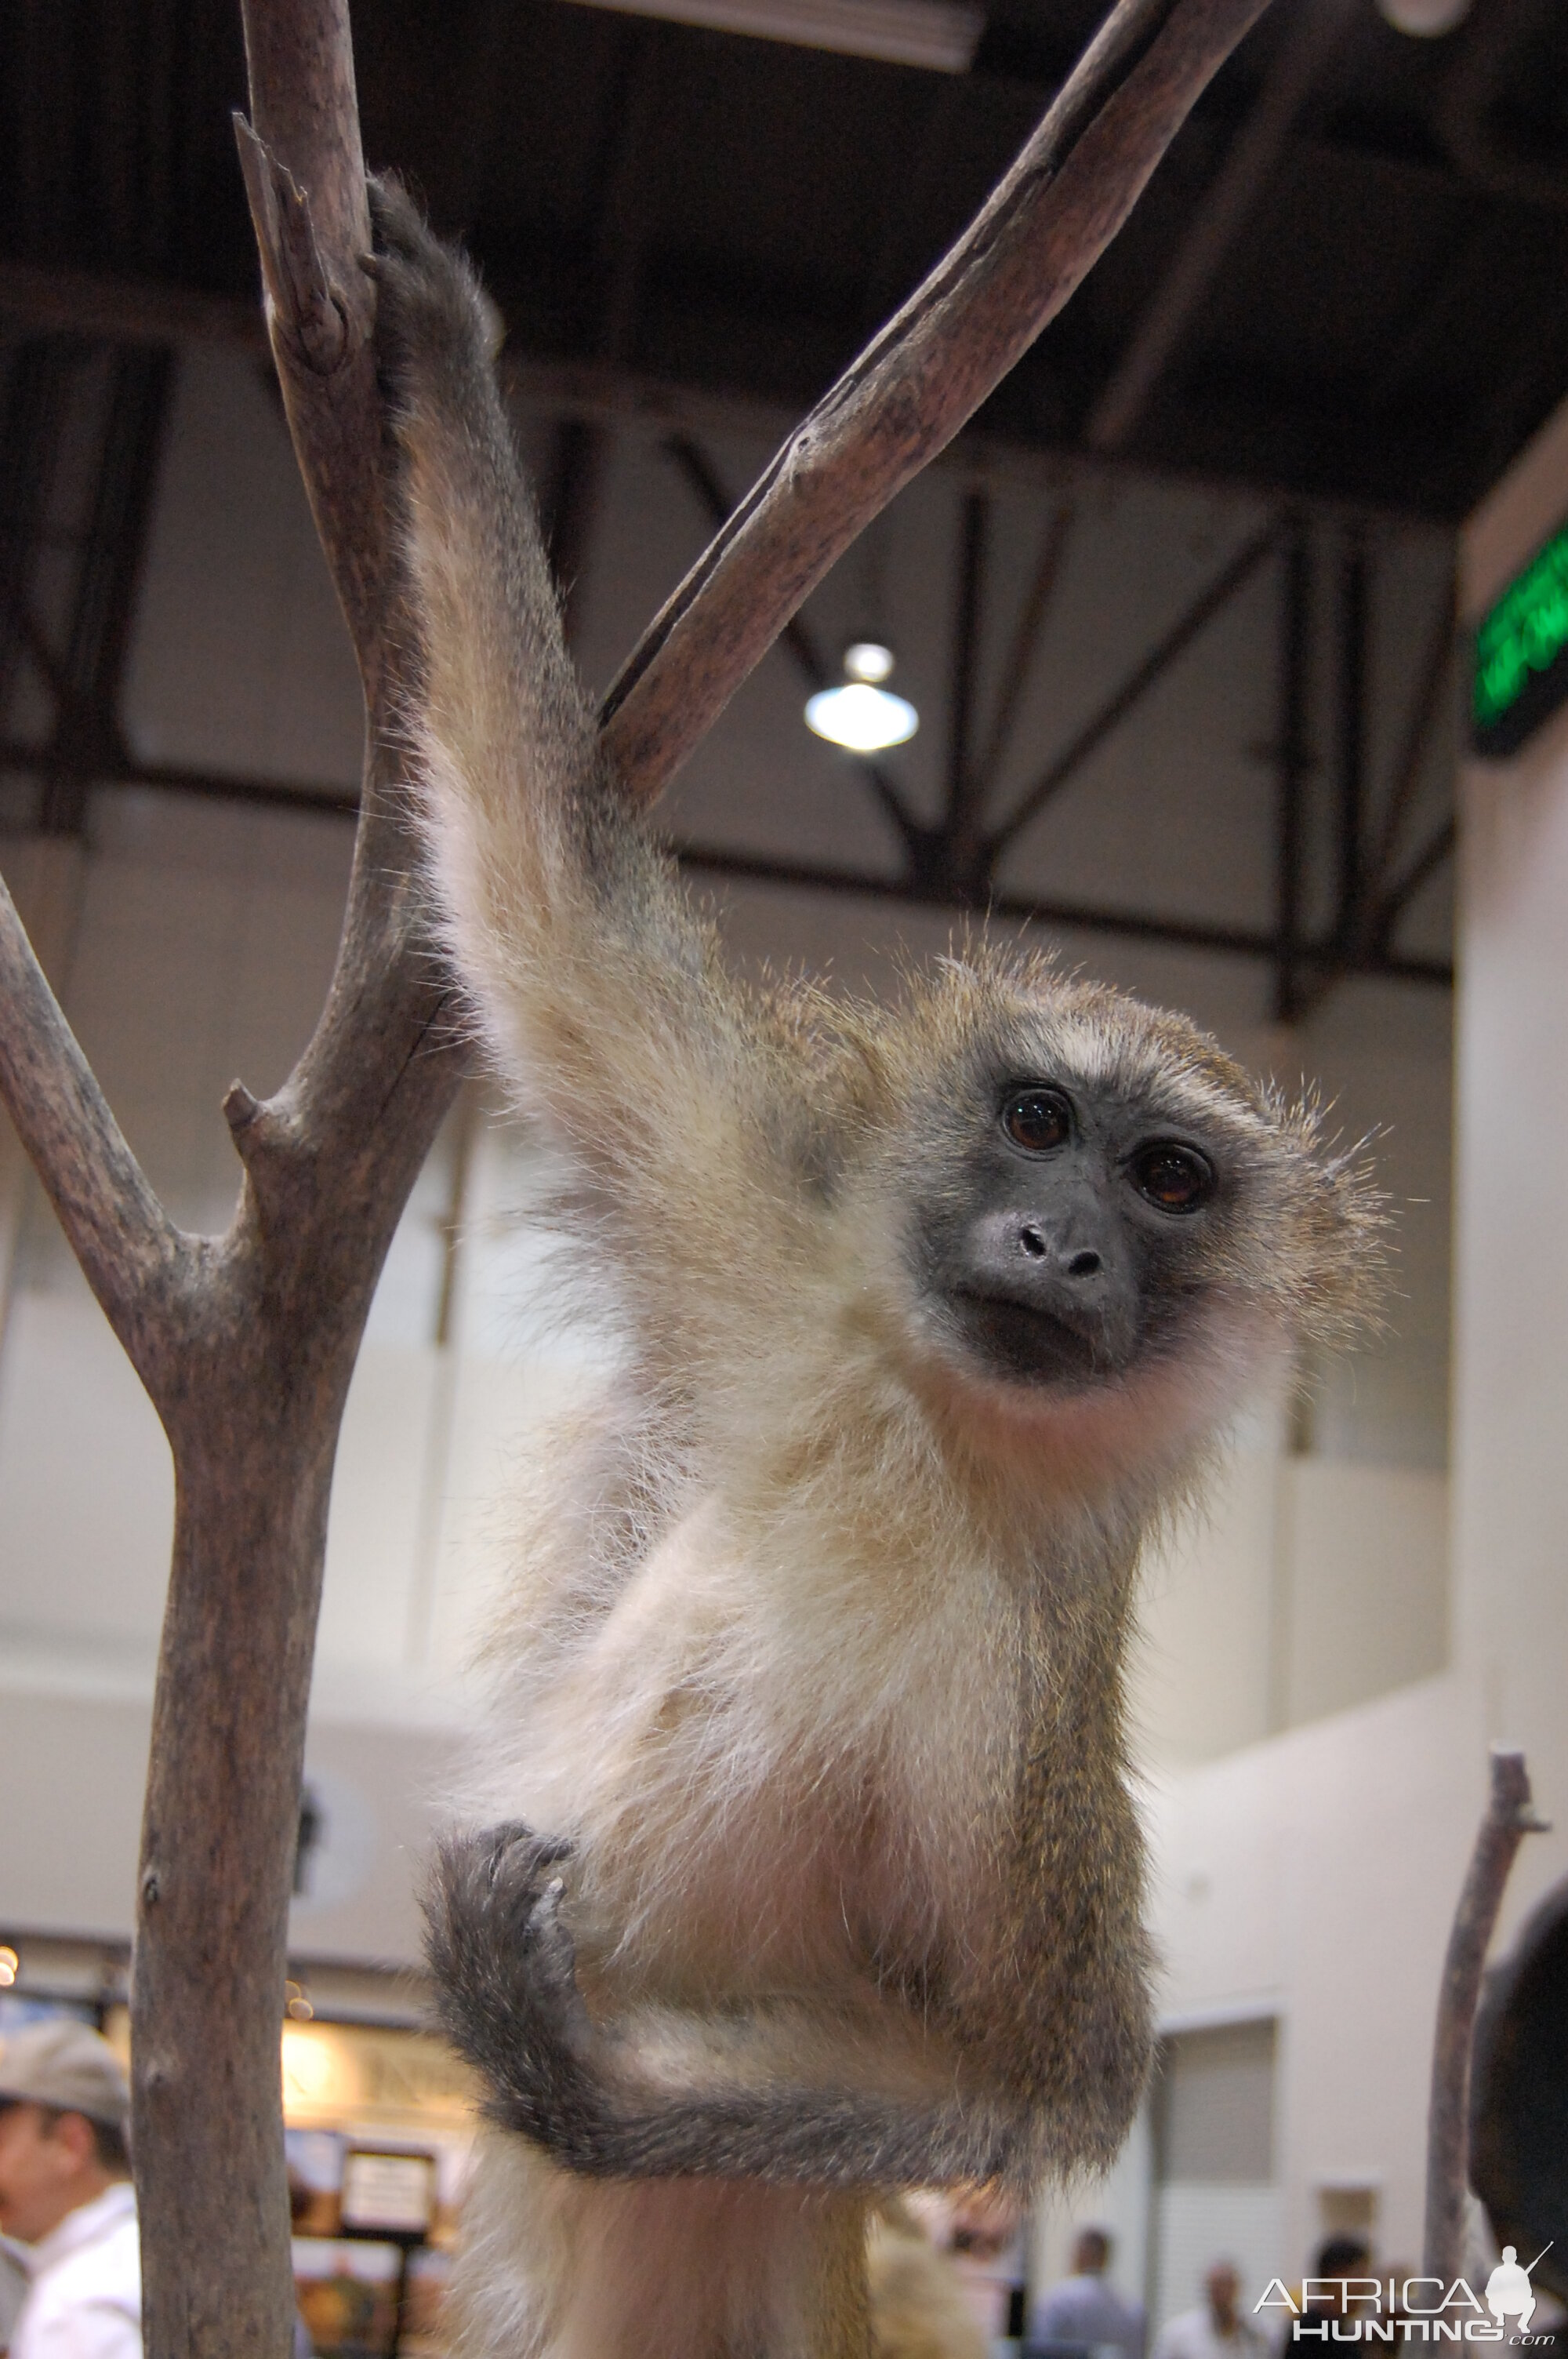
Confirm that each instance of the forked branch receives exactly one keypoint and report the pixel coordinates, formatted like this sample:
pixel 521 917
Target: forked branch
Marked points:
pixel 1509 1817
pixel 922 376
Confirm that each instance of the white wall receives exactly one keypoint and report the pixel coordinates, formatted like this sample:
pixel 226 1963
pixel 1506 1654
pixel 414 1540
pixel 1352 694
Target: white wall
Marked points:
pixel 1511 1468
pixel 1315 1874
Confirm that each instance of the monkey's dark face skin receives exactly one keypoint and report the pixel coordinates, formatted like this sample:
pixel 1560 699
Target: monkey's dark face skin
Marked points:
pixel 1074 1235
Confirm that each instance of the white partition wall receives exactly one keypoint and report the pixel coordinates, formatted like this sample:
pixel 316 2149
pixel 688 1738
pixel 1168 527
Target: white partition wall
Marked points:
pixel 1510 1397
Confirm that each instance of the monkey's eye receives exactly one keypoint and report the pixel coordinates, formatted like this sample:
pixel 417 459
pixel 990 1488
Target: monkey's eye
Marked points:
pixel 1176 1178
pixel 1038 1119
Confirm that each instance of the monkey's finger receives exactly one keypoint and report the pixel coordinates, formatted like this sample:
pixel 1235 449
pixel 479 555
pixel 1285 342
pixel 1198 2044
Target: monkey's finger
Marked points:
pixel 514 1847
pixel 397 224
pixel 552 1970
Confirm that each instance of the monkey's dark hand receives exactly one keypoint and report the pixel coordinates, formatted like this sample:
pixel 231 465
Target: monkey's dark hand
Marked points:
pixel 505 1970
pixel 433 320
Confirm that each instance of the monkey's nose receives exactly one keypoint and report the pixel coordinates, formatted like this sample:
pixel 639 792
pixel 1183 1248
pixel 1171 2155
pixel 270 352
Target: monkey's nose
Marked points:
pixel 1084 1263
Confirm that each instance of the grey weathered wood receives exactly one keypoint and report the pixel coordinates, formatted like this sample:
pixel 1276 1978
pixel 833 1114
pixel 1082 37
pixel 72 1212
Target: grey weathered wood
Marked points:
pixel 1508 1819
pixel 246 1342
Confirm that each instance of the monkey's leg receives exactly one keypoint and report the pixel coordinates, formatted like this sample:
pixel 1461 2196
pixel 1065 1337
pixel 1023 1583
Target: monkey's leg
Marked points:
pixel 790 2092
pixel 554 2265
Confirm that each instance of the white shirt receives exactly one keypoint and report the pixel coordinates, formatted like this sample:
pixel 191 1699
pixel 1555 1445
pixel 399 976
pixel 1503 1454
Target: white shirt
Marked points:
pixel 1195 2335
pixel 86 2296
pixel 1086 2310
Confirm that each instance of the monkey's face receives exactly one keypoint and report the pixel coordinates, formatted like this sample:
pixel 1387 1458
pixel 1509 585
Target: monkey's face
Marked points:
pixel 1077 1236
pixel 1104 1208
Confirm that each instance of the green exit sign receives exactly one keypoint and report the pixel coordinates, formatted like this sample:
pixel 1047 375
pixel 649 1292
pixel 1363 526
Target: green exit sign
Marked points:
pixel 1521 653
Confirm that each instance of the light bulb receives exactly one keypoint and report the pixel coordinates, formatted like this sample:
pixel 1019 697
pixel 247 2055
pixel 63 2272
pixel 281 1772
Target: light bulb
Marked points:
pixel 861 715
pixel 863 718
pixel 869 660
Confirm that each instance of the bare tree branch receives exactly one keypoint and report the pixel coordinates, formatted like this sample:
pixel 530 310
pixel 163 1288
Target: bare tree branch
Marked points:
pixel 254 1397
pixel 304 177
pixel 929 371
pixel 1509 1817
pixel 137 1263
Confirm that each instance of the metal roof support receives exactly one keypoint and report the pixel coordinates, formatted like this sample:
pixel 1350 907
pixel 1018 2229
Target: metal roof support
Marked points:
pixel 1315 28
pixel 1293 756
pixel 1142 677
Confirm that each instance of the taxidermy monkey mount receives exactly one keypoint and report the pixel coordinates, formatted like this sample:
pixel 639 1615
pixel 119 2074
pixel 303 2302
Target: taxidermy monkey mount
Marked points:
pixel 815 1871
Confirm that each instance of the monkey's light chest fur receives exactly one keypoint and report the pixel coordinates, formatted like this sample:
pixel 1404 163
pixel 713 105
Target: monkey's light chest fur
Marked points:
pixel 823 1873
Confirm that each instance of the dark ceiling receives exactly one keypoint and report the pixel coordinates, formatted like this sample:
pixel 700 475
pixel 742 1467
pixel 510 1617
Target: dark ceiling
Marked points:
pixel 1348 278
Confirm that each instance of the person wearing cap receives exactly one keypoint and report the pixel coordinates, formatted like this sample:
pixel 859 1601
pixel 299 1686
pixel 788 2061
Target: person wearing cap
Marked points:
pixel 66 2193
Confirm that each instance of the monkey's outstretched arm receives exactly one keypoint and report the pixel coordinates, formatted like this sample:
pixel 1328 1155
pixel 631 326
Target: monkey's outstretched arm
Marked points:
pixel 732 2095
pixel 598 989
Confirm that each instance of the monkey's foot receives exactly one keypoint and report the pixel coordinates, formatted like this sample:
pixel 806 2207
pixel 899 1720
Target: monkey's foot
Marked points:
pixel 505 1970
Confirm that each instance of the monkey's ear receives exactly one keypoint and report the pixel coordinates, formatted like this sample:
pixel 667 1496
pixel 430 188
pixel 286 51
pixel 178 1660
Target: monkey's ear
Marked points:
pixel 1346 1242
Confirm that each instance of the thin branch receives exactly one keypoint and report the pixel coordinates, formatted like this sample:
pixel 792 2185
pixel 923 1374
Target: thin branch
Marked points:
pixel 1509 1817
pixel 140 1266
pixel 304 170
pixel 927 372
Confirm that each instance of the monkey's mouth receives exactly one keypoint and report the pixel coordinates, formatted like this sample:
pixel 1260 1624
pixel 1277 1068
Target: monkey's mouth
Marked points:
pixel 1028 1344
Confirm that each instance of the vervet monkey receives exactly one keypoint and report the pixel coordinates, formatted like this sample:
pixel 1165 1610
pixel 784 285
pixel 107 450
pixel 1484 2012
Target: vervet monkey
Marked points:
pixel 819 1873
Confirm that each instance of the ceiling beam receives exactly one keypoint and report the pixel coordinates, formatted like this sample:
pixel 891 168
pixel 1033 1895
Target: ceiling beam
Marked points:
pixel 125 310
pixel 1150 667
pixel 1223 210
pixel 608 392
pixel 340 803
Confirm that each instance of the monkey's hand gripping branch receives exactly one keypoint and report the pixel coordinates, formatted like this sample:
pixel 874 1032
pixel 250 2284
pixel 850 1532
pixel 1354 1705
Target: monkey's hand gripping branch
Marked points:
pixel 661 2095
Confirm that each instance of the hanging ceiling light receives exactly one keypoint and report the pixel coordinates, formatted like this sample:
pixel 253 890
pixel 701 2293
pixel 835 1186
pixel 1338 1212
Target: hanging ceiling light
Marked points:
pixel 940 35
pixel 1427 20
pixel 863 714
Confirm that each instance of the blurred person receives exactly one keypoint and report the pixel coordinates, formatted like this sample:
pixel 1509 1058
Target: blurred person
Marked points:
pixel 1083 2310
pixel 1339 2258
pixel 1216 2330
pixel 12 2292
pixel 66 2193
pixel 919 2308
